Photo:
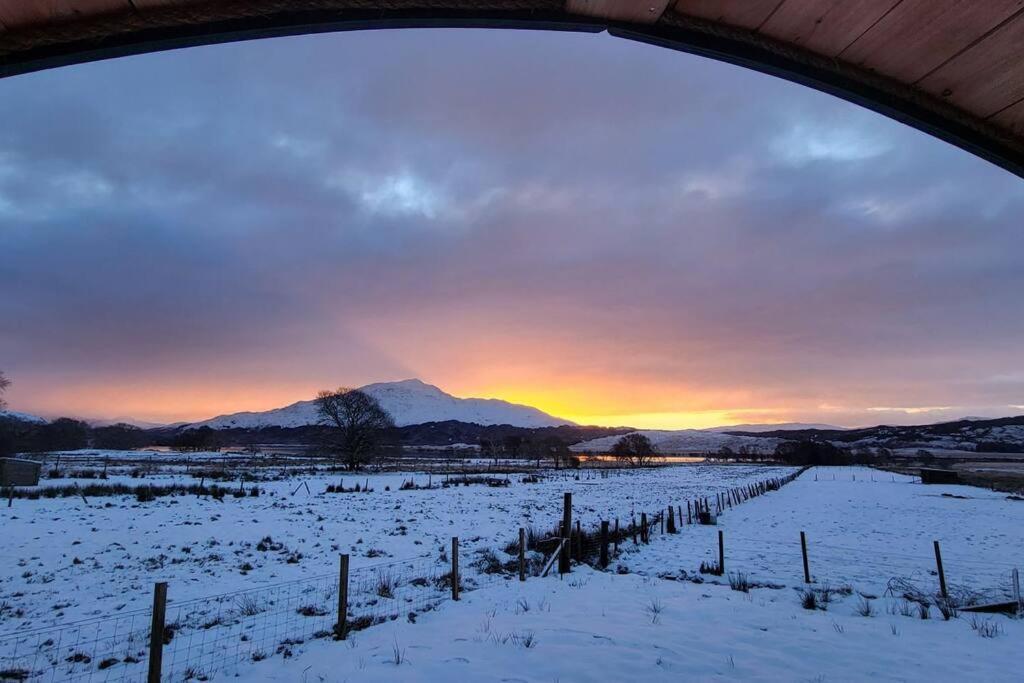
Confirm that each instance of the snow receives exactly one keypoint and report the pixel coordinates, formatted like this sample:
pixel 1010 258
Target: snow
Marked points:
pixel 127 546
pixel 409 402
pixel 593 626
pixel 21 417
pixel 683 441
pixel 863 527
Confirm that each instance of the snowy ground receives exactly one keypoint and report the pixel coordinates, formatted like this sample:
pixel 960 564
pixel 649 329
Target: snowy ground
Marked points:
pixel 864 527
pixel 595 626
pixel 64 559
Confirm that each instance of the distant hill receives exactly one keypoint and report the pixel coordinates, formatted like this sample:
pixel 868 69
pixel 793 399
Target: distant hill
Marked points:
pixel 410 402
pixel 787 426
pixel 685 441
pixel 1005 434
pixel 21 417
pixel 968 434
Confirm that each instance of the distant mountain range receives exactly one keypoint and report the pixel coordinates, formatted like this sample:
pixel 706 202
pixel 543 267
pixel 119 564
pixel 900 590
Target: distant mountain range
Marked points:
pixel 410 402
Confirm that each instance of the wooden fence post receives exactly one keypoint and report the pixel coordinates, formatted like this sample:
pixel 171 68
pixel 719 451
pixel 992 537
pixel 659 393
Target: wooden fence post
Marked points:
pixel 522 554
pixel 604 544
pixel 942 574
pixel 643 528
pixel 615 541
pixel 579 542
pixel 563 559
pixel 341 629
pixel 156 632
pixel 803 549
pixel 455 567
pixel 671 521
pixel 721 552
pixel 1016 590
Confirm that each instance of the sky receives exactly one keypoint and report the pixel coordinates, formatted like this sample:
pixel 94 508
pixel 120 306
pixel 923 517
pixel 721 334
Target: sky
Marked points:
pixel 612 232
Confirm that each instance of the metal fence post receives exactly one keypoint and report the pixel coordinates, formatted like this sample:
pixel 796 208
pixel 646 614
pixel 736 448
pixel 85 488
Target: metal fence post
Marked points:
pixel 156 632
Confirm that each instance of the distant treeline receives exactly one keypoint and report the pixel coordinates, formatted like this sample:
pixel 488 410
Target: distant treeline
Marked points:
pixel 66 434
pixel 807 452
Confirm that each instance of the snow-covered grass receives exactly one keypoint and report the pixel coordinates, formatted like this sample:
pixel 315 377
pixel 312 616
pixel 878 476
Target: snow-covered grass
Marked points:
pixel 64 559
pixel 69 560
pixel 594 626
pixel 863 527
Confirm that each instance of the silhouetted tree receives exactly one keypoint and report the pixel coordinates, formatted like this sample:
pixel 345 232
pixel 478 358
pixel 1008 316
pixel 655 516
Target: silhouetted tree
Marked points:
pixel 635 448
pixel 354 423
pixel 512 445
pixel 63 434
pixel 118 437
pixel 557 450
pixel 195 440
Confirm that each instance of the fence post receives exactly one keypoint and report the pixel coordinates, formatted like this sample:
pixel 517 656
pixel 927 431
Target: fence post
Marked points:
pixel 615 541
pixel 156 632
pixel 342 627
pixel 803 549
pixel 563 559
pixel 455 568
pixel 671 521
pixel 579 543
pixel 643 527
pixel 604 544
pixel 942 574
pixel 721 552
pixel 522 554
pixel 1016 589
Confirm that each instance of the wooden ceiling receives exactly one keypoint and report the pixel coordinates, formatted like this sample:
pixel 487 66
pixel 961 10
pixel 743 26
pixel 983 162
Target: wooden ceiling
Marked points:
pixel 953 68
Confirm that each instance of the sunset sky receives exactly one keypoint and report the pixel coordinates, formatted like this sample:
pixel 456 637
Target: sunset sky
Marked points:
pixel 611 232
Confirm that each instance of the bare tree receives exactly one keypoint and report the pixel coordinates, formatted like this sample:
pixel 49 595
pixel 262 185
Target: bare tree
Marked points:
pixel 354 422
pixel 635 448
pixel 4 383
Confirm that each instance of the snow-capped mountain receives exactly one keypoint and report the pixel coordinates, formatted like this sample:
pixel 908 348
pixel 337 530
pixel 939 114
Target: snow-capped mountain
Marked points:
pixel 410 402
pixel 683 441
pixel 21 417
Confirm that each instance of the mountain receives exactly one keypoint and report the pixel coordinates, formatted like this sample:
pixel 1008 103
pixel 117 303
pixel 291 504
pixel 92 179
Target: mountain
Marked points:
pixel 410 402
pixel 21 417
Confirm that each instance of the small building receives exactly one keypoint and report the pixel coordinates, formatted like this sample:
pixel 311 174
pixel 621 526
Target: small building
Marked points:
pixel 18 472
pixel 931 475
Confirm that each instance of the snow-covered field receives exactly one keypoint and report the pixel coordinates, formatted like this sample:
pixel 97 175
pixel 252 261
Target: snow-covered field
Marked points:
pixel 863 527
pixel 68 560
pixel 64 559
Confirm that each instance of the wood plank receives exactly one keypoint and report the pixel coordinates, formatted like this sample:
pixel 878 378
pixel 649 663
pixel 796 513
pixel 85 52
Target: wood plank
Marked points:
pixel 1011 118
pixel 636 11
pixel 748 14
pixel 918 36
pixel 987 77
pixel 15 14
pixel 825 26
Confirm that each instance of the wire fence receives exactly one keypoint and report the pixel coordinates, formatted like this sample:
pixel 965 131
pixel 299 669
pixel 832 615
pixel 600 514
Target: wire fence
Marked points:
pixel 219 635
pixel 214 636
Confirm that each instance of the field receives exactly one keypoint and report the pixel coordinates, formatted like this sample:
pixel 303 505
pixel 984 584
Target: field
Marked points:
pixel 653 614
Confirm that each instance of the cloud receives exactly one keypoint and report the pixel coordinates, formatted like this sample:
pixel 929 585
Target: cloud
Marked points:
pixel 509 214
